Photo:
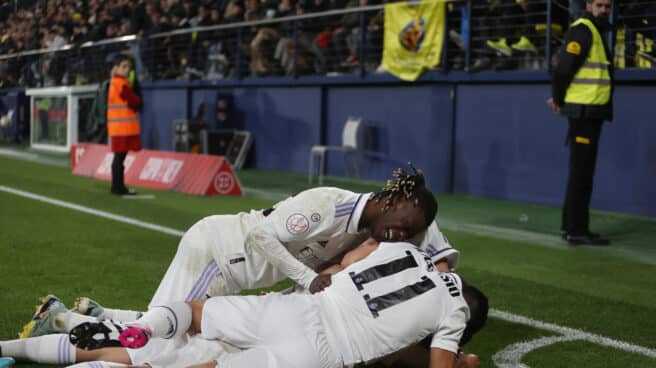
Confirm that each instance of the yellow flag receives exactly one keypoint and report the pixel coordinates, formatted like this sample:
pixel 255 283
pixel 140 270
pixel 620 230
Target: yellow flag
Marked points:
pixel 414 33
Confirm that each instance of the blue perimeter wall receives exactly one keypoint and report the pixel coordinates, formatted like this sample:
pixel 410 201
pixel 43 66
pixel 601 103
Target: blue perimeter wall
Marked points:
pixel 486 134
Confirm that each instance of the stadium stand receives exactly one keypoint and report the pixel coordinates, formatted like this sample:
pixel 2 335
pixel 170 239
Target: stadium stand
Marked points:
pixel 66 42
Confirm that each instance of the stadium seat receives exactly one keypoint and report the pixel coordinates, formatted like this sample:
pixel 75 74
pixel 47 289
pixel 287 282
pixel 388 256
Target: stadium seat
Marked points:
pixel 352 142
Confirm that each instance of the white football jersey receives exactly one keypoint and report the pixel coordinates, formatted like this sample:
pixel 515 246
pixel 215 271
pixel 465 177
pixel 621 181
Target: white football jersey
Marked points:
pixel 391 299
pixel 300 229
pixel 435 243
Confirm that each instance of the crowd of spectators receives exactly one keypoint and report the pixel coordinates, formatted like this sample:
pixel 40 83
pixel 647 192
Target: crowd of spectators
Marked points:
pixel 500 28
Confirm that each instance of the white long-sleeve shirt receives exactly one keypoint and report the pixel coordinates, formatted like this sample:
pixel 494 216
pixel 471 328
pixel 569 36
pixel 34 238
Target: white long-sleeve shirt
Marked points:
pixel 300 230
pixel 391 299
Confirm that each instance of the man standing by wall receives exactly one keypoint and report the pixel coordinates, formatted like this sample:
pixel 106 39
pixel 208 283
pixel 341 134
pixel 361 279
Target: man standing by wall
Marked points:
pixel 582 89
pixel 123 106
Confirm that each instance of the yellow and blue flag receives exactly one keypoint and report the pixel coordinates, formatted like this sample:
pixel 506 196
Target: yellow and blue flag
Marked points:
pixel 414 35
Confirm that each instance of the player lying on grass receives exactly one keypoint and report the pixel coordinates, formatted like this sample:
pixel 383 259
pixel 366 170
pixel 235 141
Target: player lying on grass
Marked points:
pixel 392 299
pixel 55 349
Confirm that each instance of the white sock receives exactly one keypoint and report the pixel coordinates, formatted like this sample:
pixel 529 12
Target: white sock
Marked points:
pixel 120 315
pixel 65 321
pixel 47 349
pixel 167 321
pixel 98 364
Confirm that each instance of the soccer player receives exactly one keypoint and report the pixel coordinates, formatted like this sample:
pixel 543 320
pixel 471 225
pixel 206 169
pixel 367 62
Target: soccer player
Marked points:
pixel 183 351
pixel 291 239
pixel 393 298
pixel 212 259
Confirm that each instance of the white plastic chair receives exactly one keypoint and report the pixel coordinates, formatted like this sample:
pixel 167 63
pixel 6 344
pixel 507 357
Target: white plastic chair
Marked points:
pixel 352 141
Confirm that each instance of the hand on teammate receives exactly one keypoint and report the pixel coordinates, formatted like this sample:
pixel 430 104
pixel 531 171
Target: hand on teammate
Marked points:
pixel 468 361
pixel 319 283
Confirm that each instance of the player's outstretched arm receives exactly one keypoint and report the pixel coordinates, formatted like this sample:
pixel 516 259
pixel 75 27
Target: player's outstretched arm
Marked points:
pixel 212 364
pixel 265 242
pixel 440 358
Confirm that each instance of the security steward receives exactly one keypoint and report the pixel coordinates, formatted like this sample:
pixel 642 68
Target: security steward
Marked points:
pixel 123 128
pixel 582 89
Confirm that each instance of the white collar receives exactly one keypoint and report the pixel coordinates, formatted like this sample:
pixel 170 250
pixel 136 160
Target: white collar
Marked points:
pixel 354 219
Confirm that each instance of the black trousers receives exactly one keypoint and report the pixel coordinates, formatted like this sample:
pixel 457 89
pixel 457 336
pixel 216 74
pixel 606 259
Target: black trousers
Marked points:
pixel 118 184
pixel 583 146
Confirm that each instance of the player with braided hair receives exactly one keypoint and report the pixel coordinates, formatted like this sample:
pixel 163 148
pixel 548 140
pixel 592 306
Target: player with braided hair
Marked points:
pixel 402 210
pixel 222 255
pixel 408 187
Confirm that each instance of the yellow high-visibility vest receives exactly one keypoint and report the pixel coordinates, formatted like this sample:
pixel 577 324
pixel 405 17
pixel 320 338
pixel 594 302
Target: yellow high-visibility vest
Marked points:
pixel 591 84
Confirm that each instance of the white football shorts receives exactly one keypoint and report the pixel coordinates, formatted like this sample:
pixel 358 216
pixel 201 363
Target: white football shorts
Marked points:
pixel 275 331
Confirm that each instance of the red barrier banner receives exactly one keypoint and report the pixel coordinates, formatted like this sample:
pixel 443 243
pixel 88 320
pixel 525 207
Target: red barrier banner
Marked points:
pixel 180 172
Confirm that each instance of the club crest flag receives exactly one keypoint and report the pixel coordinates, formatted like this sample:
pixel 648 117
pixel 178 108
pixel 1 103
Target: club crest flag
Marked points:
pixel 414 34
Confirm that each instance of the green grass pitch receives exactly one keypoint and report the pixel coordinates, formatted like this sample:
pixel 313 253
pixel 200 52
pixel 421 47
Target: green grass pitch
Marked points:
pixel 553 305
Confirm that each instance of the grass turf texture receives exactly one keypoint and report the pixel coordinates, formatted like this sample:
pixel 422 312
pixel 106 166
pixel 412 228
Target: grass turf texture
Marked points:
pixel 607 291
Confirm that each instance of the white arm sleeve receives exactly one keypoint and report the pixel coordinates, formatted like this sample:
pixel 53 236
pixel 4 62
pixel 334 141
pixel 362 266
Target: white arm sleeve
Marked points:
pixel 450 330
pixel 305 217
pixel 266 242
pixel 433 242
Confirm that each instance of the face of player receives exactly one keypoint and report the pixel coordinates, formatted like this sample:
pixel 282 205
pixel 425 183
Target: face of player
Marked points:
pixel 399 223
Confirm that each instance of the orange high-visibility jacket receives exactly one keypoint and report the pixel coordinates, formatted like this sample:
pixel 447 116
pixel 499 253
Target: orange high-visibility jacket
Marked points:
pixel 122 120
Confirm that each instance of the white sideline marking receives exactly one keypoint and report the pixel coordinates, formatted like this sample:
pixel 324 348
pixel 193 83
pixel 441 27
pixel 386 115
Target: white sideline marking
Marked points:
pixel 511 355
pixel 33 157
pixel 508 355
pixel 515 235
pixel 139 196
pixel 567 332
pixel 91 211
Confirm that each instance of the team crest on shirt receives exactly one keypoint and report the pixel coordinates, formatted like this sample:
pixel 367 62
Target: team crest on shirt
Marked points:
pixel 573 48
pixel 297 224
pixel 315 217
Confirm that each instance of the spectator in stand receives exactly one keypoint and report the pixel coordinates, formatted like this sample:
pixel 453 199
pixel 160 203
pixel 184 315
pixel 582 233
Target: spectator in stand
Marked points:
pixel 234 11
pixel 199 43
pixel 640 17
pixel 139 18
pixel 346 38
pixel 52 40
pixel 513 22
pixel 175 47
pixel 155 51
pixel 263 42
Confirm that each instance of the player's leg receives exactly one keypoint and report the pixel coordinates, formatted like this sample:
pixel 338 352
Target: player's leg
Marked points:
pixel 89 307
pixel 193 270
pixel 167 321
pixel 52 317
pixel 277 330
pixel 194 351
pixel 191 275
pixel 172 320
pixel 57 349
pixel 44 321
pixel 100 364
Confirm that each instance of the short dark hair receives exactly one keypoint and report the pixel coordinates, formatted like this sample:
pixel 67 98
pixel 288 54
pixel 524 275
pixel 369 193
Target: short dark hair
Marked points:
pixel 119 58
pixel 409 187
pixel 478 308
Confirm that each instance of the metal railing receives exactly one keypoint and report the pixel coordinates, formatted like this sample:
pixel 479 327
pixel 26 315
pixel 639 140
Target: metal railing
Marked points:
pixel 490 35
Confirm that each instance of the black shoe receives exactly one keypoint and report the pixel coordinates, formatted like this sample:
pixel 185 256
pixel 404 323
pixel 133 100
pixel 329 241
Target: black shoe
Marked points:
pixel 586 239
pixel 96 335
pixel 124 191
